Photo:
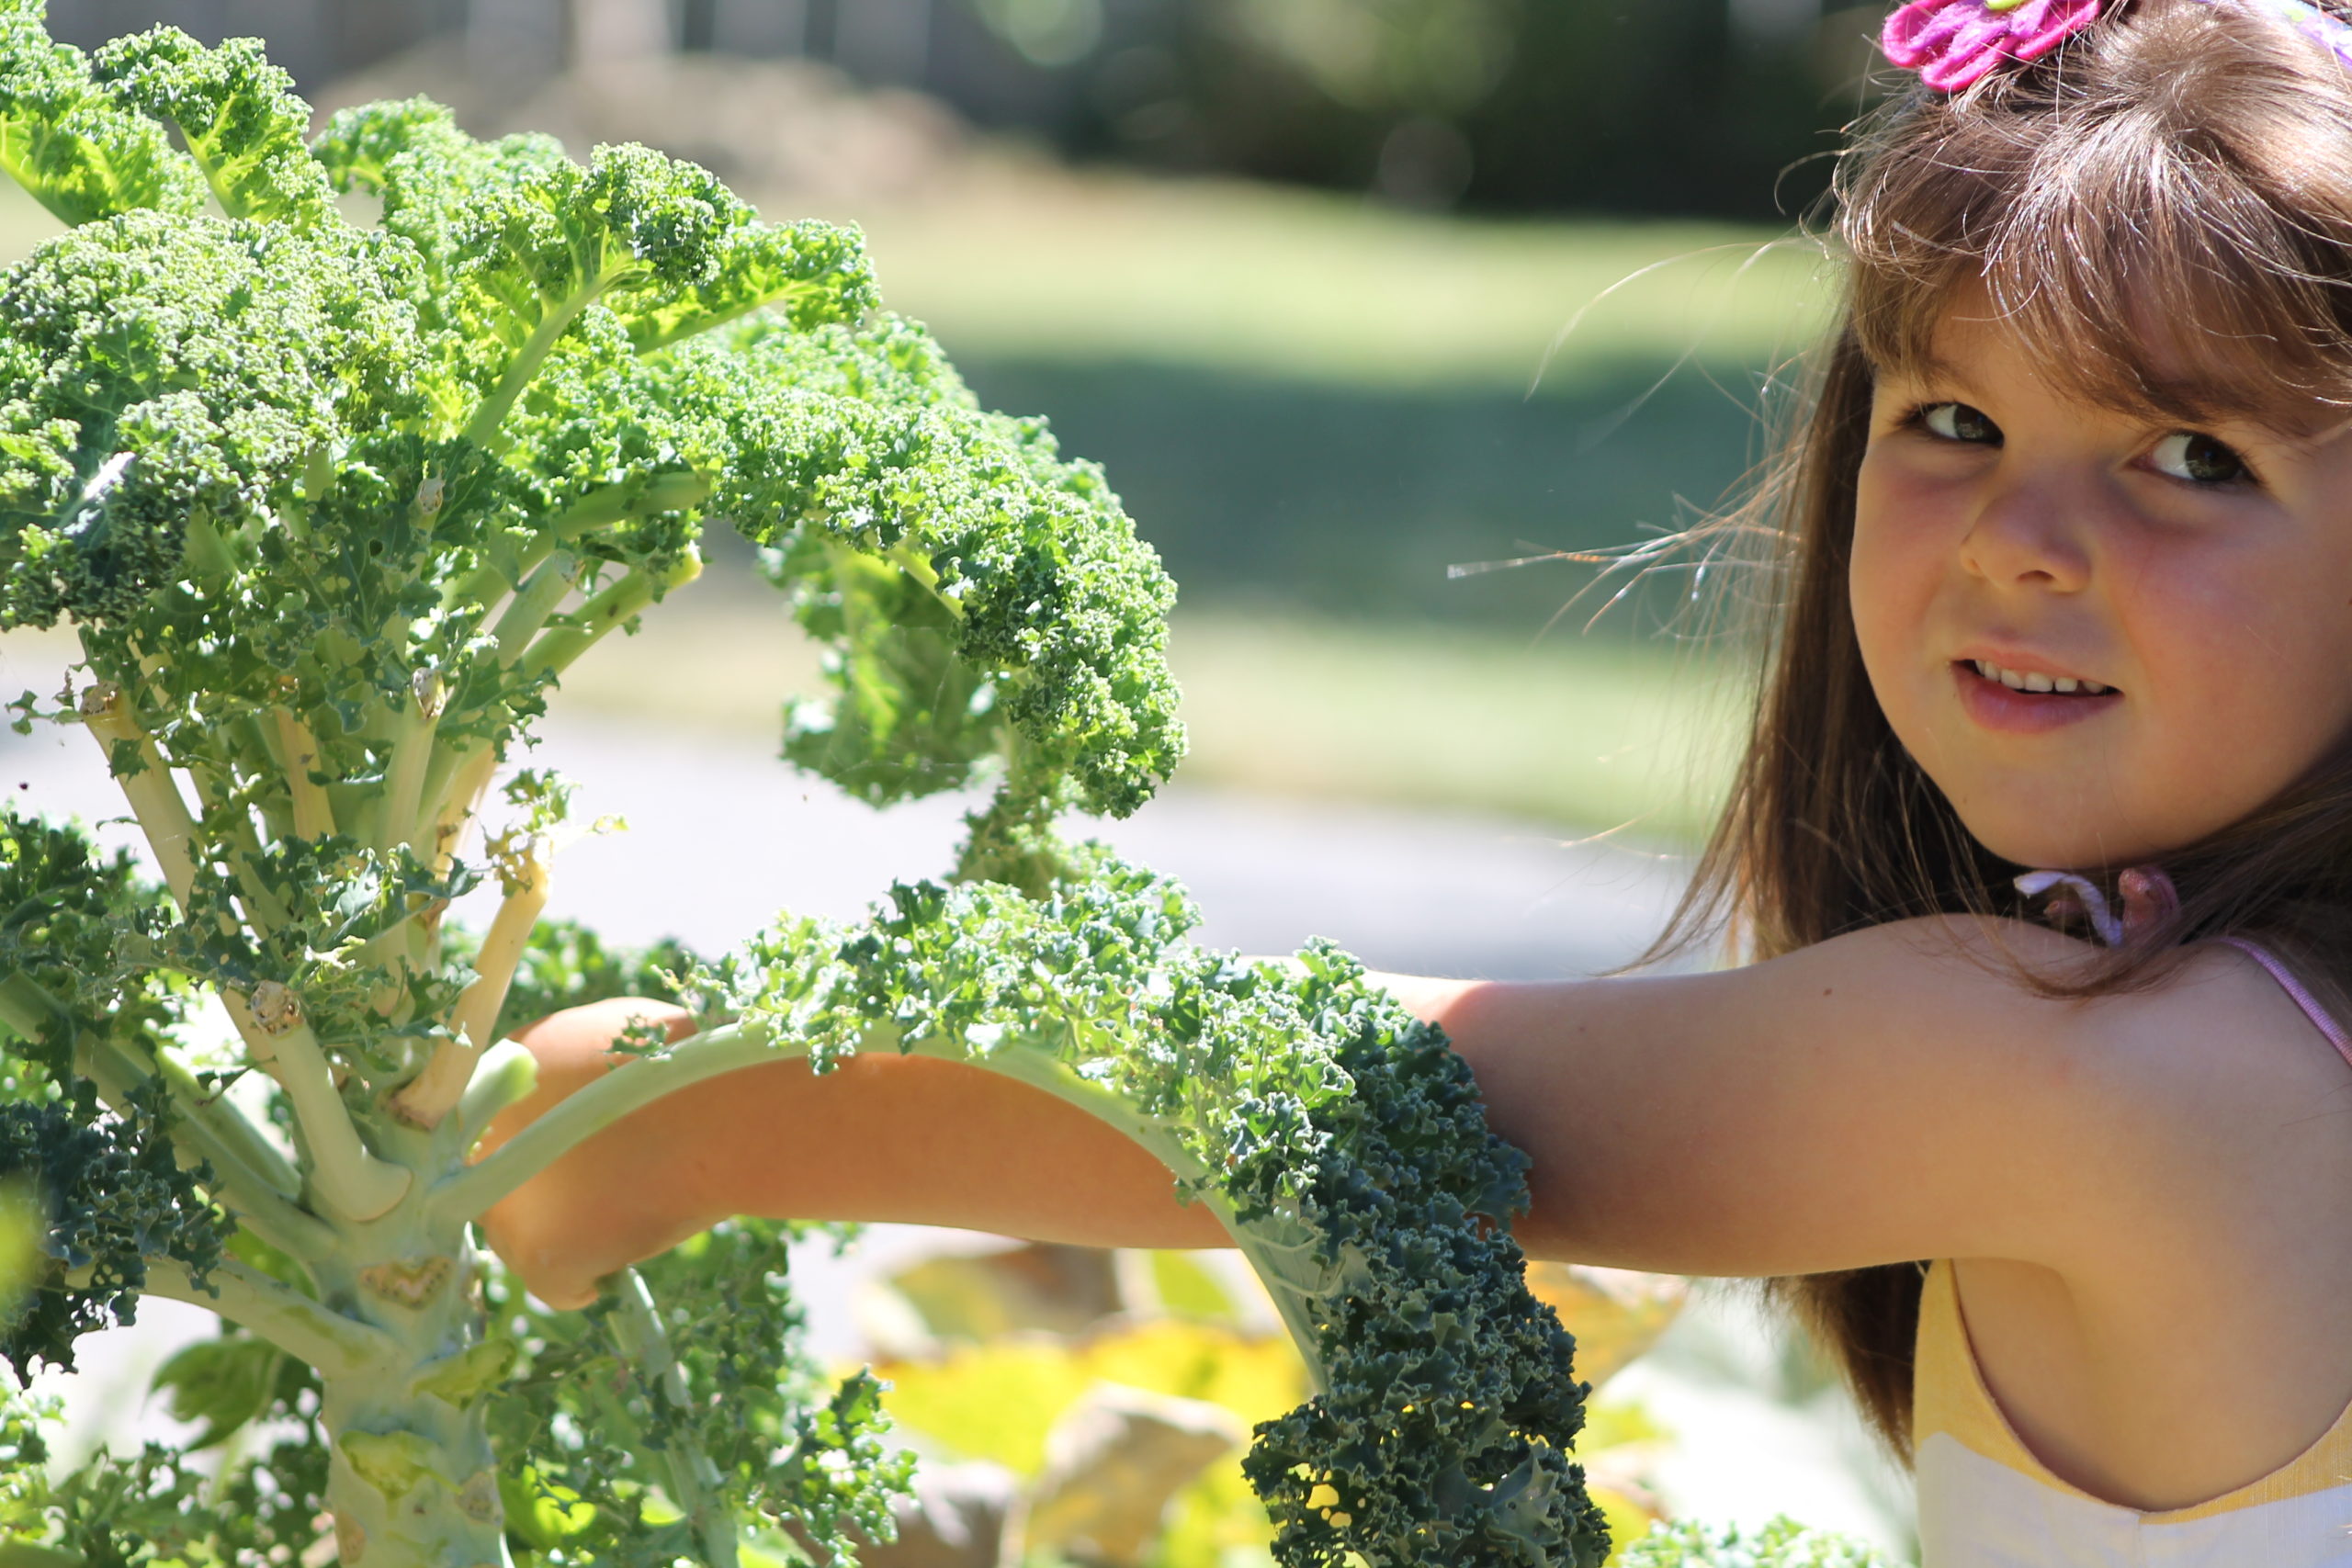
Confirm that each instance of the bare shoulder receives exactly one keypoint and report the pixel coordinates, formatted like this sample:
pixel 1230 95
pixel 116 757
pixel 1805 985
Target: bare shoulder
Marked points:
pixel 2248 1103
pixel 2213 1035
pixel 1898 1093
pixel 2184 1113
pixel 2212 1010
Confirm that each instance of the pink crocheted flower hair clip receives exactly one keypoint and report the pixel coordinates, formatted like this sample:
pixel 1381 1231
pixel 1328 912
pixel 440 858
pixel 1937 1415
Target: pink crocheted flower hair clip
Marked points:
pixel 1954 44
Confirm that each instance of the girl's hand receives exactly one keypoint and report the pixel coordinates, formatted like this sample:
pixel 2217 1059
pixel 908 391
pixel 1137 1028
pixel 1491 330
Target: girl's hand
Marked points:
pixel 618 1197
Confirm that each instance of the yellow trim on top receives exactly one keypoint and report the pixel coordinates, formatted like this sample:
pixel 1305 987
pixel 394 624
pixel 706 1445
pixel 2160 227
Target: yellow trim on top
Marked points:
pixel 1950 1396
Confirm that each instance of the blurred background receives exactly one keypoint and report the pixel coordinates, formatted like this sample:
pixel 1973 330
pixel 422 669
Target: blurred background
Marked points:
pixel 1394 323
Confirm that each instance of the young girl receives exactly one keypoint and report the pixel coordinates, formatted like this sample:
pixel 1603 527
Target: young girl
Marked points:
pixel 2068 590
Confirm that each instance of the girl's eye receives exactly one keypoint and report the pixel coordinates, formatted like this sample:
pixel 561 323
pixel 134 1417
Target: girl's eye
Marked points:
pixel 2199 459
pixel 1958 422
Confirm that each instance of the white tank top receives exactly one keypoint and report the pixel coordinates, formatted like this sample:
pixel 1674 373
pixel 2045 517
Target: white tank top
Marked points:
pixel 1985 1501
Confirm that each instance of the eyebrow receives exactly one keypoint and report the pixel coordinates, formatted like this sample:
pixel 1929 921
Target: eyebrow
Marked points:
pixel 1930 368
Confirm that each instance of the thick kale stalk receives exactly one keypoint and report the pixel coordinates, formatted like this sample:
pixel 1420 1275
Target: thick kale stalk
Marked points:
pixel 331 508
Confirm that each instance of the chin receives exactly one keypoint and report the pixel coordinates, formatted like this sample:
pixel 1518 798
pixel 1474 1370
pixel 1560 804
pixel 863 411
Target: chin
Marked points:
pixel 2037 823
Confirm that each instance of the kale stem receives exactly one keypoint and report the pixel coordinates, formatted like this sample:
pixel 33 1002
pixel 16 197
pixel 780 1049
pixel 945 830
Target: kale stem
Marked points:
pixel 431 1094
pixel 337 1346
pixel 313 815
pixel 459 769
pixel 464 800
pixel 493 409
pixel 635 1324
pixel 264 910
pixel 601 508
pixel 25 1007
pixel 923 572
pixel 261 741
pixel 345 1173
pixel 555 650
pixel 533 603
pixel 147 783
pixel 505 1076
pixel 220 1120
pixel 462 1196
pixel 402 806
pixel 245 1178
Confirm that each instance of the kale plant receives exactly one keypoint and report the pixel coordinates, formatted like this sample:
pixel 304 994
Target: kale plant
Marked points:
pixel 332 504
pixel 1780 1543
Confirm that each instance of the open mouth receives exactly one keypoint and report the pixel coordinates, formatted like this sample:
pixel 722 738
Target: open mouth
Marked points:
pixel 2033 682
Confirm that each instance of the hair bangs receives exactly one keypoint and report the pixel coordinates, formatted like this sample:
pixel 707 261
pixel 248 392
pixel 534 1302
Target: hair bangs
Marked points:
pixel 2166 227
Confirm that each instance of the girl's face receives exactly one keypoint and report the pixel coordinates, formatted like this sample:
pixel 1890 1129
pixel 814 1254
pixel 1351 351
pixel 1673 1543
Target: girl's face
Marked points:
pixel 2176 603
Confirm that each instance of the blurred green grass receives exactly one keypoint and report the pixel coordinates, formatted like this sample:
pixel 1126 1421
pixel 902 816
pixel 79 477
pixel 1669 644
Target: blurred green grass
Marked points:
pixel 1310 287
pixel 1313 407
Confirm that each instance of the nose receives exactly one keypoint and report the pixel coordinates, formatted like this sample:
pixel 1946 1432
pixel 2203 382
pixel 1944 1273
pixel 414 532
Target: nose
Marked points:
pixel 2032 533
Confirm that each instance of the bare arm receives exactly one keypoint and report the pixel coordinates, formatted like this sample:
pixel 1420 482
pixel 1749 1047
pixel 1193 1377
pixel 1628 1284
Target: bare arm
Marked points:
pixel 1880 1096
pixel 908 1139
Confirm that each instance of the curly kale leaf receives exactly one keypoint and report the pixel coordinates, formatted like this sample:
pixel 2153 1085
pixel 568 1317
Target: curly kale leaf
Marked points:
pixel 1441 1432
pixel 82 154
pixel 157 1506
pixel 299 465
pixel 236 113
pixel 161 375
pixel 114 1198
pixel 521 241
pixel 1341 1141
pixel 784 1441
pixel 978 590
pixel 330 900
pixel 70 921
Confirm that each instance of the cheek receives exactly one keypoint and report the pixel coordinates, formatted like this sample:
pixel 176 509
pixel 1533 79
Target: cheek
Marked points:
pixel 2250 667
pixel 1896 563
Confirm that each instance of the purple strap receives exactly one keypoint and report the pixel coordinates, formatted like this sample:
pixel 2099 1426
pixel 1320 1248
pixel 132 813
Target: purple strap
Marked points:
pixel 2149 901
pixel 2294 987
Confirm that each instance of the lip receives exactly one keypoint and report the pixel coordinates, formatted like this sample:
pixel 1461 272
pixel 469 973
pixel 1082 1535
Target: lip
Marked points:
pixel 1996 707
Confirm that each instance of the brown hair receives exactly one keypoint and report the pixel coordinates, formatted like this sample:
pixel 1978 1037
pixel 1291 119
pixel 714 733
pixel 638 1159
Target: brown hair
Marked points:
pixel 2198 155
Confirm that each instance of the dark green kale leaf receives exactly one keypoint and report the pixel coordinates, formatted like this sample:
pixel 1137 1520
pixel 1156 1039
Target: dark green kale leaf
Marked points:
pixel 113 1198
pixel 1341 1141
pixel 71 923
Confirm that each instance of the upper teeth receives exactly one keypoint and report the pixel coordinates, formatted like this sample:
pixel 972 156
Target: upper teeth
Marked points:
pixel 2035 681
